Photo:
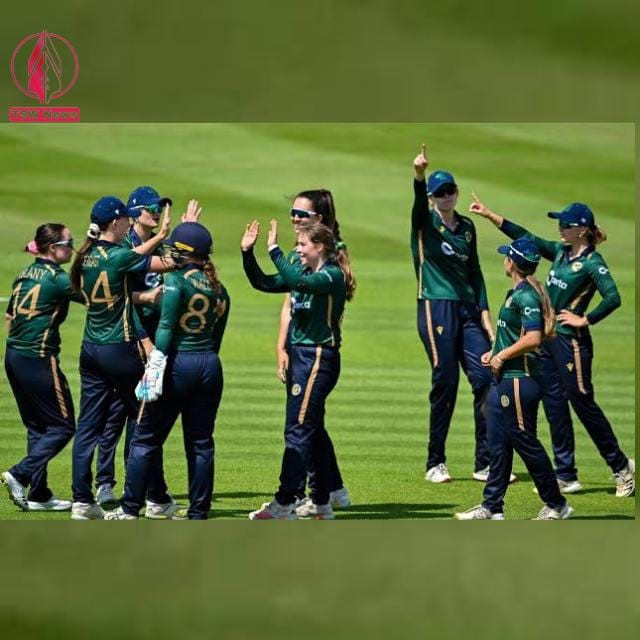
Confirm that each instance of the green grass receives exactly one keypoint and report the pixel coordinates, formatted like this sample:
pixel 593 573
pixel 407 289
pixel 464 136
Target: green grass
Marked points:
pixel 377 416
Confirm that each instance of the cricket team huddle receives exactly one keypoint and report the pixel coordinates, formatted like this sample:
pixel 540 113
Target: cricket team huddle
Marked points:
pixel 156 314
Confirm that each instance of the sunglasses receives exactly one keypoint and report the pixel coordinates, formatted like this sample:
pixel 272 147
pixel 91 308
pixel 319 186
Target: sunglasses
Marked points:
pixel 302 213
pixel 152 208
pixel 64 243
pixel 446 190
pixel 566 225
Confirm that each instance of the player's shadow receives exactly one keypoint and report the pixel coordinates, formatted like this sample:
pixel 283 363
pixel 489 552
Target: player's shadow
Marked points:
pixel 392 510
pixel 603 517
pixel 230 494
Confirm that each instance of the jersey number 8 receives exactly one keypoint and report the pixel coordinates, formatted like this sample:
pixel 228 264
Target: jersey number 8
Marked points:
pixel 192 312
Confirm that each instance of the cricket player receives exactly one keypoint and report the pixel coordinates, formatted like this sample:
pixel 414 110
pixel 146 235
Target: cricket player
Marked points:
pixel 37 307
pixel 524 321
pixel 183 376
pixel 578 271
pixel 320 282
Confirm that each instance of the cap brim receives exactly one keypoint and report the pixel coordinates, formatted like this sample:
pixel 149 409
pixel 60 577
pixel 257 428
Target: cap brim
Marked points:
pixel 555 214
pixel 164 201
pixel 504 249
pixel 440 185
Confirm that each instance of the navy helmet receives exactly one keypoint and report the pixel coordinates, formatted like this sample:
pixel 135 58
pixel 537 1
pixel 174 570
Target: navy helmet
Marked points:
pixel 144 197
pixel 110 208
pixel 438 179
pixel 523 252
pixel 575 214
pixel 192 237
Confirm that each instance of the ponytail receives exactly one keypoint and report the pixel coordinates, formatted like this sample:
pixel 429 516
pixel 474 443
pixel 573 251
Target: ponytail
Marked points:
pixel 548 315
pixel 211 273
pixel 596 235
pixel 75 273
pixel 46 235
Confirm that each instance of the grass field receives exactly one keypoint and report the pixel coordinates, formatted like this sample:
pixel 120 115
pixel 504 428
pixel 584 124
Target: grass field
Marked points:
pixel 378 414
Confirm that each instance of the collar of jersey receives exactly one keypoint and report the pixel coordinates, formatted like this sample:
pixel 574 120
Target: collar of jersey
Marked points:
pixel 55 265
pixel 456 217
pixel 107 243
pixel 585 253
pixel 191 265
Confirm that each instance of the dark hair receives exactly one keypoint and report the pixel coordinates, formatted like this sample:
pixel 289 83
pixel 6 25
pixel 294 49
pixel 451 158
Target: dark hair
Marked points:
pixel 93 234
pixel 318 232
pixel 211 273
pixel 548 315
pixel 323 203
pixel 46 235
pixel 596 235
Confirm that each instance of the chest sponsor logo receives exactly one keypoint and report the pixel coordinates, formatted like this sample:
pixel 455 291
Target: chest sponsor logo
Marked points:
pixel 448 250
pixel 576 266
pixel 529 310
pixel 552 281
pixel 300 305
pixel 296 389
pixel 504 400
pixel 502 323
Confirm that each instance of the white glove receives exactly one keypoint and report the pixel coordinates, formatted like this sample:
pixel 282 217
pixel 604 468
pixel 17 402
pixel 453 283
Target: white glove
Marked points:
pixel 149 388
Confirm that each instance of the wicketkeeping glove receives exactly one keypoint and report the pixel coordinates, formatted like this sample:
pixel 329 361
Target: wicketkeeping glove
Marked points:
pixel 149 388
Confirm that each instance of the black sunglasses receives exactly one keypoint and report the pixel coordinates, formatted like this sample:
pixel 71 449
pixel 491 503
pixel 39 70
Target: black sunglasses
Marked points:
pixel 445 190
pixel 566 225
pixel 64 243
pixel 152 208
pixel 302 213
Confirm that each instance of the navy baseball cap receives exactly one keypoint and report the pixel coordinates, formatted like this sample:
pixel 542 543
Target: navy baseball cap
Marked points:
pixel 438 179
pixel 522 251
pixel 575 214
pixel 110 208
pixel 193 238
pixel 145 196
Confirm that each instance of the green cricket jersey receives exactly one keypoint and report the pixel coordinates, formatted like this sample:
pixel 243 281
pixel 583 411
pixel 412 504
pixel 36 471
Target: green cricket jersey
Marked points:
pixel 317 300
pixel 150 313
pixel 38 306
pixel 520 312
pixel 269 283
pixel 446 262
pixel 194 315
pixel 572 282
pixel 106 286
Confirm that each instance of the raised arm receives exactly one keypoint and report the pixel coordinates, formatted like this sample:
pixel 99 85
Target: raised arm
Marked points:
pixel 259 279
pixel 148 247
pixel 420 200
pixel 548 248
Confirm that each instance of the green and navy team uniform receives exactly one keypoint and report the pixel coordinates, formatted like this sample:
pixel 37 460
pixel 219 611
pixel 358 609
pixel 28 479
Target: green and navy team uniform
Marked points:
pixel 567 359
pixel 451 296
pixel 317 306
pixel 149 315
pixel 37 307
pixel 192 323
pixel 110 360
pixel 512 406
pixel 274 284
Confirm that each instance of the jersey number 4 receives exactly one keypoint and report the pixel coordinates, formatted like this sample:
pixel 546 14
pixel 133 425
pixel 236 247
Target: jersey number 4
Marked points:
pixel 102 284
pixel 31 297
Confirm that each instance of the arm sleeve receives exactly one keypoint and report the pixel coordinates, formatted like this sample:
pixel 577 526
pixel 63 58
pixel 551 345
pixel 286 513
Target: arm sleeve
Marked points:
pixel 260 280
pixel 66 290
pixel 130 261
pixel 323 281
pixel 548 249
pixel 607 289
pixel 9 311
pixel 171 307
pixel 530 310
pixel 420 208
pixel 221 322
pixel 476 278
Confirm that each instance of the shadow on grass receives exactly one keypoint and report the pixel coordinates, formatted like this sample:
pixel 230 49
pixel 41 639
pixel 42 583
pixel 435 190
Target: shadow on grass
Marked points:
pixel 604 517
pixel 230 494
pixel 391 510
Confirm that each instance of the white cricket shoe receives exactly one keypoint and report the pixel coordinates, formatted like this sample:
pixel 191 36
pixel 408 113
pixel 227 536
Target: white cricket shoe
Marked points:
pixel 478 513
pixel 439 473
pixel 86 511
pixel 156 511
pixel 626 480
pixel 316 511
pixel 340 498
pixel 565 486
pixel 274 511
pixel 300 502
pixel 17 493
pixel 118 514
pixel 53 504
pixel 105 495
pixel 483 475
pixel 547 513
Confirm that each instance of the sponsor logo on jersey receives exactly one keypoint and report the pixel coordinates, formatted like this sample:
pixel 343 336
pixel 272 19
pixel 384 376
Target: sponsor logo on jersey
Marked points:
pixel 504 400
pixel 576 266
pixel 448 250
pixel 507 302
pixel 529 310
pixel 603 270
pixel 467 236
pixel 502 323
pixel 296 389
pixel 556 282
